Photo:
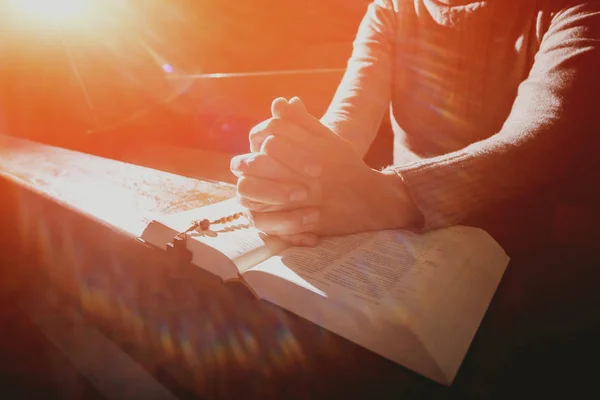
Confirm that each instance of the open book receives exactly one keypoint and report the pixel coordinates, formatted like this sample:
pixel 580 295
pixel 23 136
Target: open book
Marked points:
pixel 415 299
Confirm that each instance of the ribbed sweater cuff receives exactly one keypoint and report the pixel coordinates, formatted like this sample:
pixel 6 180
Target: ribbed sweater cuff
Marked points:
pixel 445 190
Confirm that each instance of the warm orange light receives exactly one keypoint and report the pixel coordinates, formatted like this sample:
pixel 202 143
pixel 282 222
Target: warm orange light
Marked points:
pixel 52 10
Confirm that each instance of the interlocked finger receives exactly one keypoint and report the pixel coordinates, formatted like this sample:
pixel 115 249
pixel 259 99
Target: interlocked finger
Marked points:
pixel 262 166
pixel 286 223
pixel 284 128
pixel 265 191
pixel 289 154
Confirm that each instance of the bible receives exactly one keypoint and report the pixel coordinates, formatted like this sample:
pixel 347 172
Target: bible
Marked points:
pixel 415 299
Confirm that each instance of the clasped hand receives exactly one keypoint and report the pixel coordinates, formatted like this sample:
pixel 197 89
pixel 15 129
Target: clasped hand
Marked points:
pixel 301 180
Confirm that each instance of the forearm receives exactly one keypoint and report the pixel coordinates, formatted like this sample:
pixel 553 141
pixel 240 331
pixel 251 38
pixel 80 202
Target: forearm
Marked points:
pixel 450 188
pixel 547 139
pixel 364 93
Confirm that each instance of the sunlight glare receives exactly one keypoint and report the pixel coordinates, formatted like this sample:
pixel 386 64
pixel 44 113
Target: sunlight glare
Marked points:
pixel 53 10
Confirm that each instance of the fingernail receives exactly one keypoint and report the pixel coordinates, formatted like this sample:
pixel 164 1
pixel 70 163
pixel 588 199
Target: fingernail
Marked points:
pixel 313 170
pixel 311 217
pixel 299 195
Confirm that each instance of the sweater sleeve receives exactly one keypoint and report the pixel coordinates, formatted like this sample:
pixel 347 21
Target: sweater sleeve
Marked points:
pixel 546 140
pixel 364 93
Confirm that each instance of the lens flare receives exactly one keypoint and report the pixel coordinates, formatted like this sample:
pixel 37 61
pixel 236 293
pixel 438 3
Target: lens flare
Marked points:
pixel 52 10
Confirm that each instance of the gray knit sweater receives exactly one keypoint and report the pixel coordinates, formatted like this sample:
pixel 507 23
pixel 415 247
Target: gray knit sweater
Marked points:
pixel 490 100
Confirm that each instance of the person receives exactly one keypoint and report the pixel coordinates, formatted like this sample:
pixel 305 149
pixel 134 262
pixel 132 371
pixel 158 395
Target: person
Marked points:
pixel 492 103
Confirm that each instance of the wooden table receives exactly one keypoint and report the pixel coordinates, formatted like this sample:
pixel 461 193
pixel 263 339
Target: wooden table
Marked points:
pixel 131 322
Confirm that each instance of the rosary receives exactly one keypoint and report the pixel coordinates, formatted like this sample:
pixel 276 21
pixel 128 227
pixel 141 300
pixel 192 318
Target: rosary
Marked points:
pixel 204 224
pixel 179 243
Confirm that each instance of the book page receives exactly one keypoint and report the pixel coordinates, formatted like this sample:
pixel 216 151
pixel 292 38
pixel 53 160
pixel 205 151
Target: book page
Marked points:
pixel 366 266
pixel 238 240
pixel 437 283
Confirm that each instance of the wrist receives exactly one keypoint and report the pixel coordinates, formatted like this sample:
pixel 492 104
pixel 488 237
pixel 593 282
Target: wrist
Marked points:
pixel 393 201
pixel 358 147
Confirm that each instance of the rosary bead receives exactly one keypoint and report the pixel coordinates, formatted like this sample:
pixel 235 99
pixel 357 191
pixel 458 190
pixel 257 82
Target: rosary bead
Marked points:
pixel 204 224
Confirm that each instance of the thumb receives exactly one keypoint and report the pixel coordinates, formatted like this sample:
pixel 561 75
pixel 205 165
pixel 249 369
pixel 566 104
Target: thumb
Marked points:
pixel 302 239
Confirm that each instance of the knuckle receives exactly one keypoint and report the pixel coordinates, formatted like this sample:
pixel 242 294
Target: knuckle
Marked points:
pixel 255 143
pixel 250 205
pixel 271 193
pixel 244 185
pixel 255 206
pixel 273 125
pixel 258 129
pixel 258 160
pixel 237 163
pixel 233 163
pixel 249 164
pixel 270 145
pixel 257 134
